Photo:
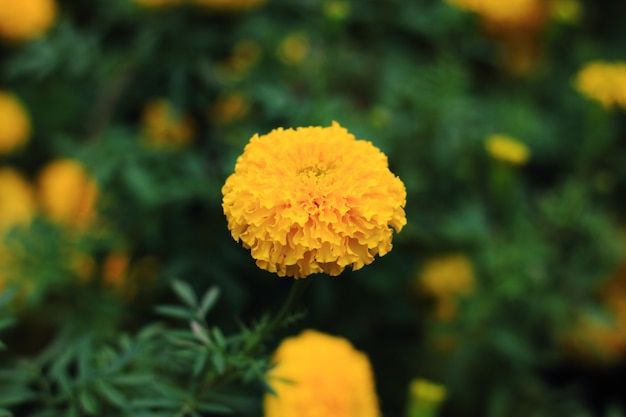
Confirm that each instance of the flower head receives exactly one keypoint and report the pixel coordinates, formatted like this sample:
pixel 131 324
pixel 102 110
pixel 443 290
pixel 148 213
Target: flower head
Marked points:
pixel 17 200
pixel 507 149
pixel 66 193
pixel 510 11
pixel 14 123
pixel 294 48
pixel 320 375
pixel 603 82
pixel 25 19
pixel 164 126
pixel 313 200
pixel 445 279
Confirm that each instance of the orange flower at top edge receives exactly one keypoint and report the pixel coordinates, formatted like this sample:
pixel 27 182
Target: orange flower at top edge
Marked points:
pixel 313 200
pixel 67 194
pixel 22 20
pixel 320 375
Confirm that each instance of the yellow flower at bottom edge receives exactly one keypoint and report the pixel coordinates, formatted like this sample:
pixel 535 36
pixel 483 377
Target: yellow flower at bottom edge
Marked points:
pixel 22 20
pixel 15 126
pixel 67 194
pixel 506 149
pixel 320 375
pixel 17 200
pixel 164 126
pixel 313 200
pixel 604 82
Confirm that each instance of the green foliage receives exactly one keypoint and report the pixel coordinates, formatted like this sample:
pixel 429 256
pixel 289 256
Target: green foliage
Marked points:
pixel 93 321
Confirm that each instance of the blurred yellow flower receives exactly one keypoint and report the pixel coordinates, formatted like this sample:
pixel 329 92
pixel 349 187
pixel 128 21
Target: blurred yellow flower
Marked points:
pixel 294 48
pixel 320 375
pixel 568 11
pixel 507 149
pixel 165 127
pixel 498 10
pixel 17 200
pixel 22 20
pixel 446 278
pixel 67 194
pixel 336 9
pixel 230 108
pixel 15 126
pixel 245 55
pixel 604 82
pixel 229 5
pixel 313 200
pixel 427 391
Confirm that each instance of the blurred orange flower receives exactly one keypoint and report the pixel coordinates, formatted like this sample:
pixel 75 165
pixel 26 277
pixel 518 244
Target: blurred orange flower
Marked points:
pixel 320 375
pixel 22 20
pixel 15 125
pixel 67 194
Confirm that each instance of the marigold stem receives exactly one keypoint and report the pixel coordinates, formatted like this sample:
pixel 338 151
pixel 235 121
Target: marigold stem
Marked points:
pixel 296 292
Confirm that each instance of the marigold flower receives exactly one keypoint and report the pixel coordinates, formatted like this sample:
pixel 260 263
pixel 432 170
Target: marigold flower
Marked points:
pixel 510 11
pixel 66 193
pixel 164 126
pixel 445 278
pixel 604 82
pixel 17 200
pixel 25 19
pixel 230 108
pixel 507 149
pixel 313 200
pixel 320 375
pixel 15 127
pixel 294 48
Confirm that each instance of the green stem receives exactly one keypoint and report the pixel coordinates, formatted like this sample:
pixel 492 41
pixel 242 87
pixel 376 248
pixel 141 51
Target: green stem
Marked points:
pixel 295 294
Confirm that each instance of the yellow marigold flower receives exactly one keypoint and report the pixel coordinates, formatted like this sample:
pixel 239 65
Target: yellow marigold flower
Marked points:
pixel 15 127
pixel 336 9
pixel 320 375
pixel 17 200
pixel 294 48
pixel 313 200
pixel 229 5
pixel 25 19
pixel 425 397
pixel 604 82
pixel 164 126
pixel 245 55
pixel 446 278
pixel 510 11
pixel 506 149
pixel 66 193
pixel 230 108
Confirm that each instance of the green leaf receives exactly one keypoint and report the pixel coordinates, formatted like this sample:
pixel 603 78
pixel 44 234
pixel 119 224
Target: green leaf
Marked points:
pixel 219 362
pixel 15 395
pixel 175 312
pixel 112 394
pixel 87 402
pixel 219 337
pixel 200 363
pixel 185 293
pixel 208 301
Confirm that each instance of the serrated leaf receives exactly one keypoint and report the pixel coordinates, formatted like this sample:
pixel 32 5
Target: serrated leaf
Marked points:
pixel 185 293
pixel 175 312
pixel 208 301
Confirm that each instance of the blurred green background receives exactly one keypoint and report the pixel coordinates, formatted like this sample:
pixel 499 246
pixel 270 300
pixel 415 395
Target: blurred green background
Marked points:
pixel 506 287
